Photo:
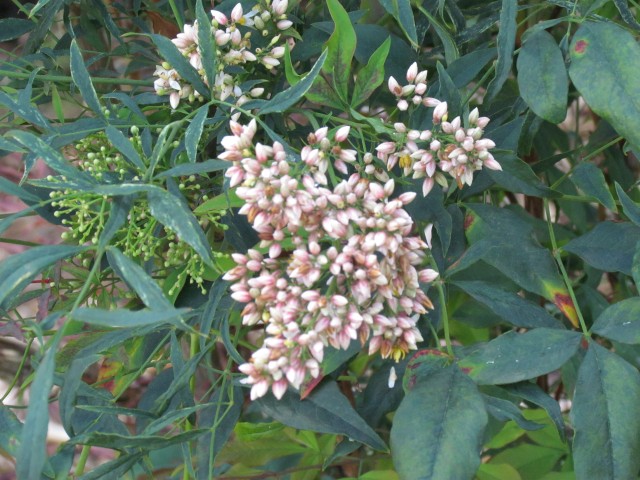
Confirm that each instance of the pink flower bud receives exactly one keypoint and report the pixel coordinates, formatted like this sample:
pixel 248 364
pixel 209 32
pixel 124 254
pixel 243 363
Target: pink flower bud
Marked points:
pixel 236 13
pixel 284 24
pixel 439 112
pixel 403 105
pixel 412 72
pixel 219 17
pixel 342 133
pixel 394 86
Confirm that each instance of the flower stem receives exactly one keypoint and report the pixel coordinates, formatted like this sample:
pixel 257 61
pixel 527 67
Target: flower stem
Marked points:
pixel 68 79
pixel 444 315
pixel 563 271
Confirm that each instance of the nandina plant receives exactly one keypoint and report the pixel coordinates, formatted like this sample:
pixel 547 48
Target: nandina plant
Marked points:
pixel 342 239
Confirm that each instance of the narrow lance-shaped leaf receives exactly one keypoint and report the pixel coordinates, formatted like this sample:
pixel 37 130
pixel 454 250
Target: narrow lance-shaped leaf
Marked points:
pixel 124 146
pixel 173 212
pixel 627 15
pixel 340 47
pixel 290 96
pixel 506 44
pixel 172 55
pixel 403 14
pixel 12 28
pixel 82 79
pixel 194 132
pixel 138 280
pixel 371 75
pixel 32 453
pixel 437 430
pixel 18 270
pixel 606 417
pixel 542 77
pixel 206 44
pixel 127 318
pixel 614 93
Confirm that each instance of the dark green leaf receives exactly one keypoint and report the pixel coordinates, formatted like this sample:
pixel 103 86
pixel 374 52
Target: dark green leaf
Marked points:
pixel 614 93
pixel 401 11
pixel 590 179
pixel 25 110
pixel 630 208
pixel 12 28
pixel 185 169
pixel 621 321
pixel 18 270
pixel 32 452
pixel 465 69
pixel 325 410
pixel 514 357
pixel 50 156
pixel 82 79
pixel 194 132
pixel 546 90
pixel 606 417
pixel 172 55
pixel 437 430
pixel 7 186
pixel 206 44
pixel 284 100
pixel 448 42
pixel 635 267
pixel 609 246
pixel 145 442
pixel 118 214
pixel 124 146
pixel 127 318
pixel 533 393
pixel 506 44
pixel 447 91
pixel 340 48
pixel 117 468
pixel 10 430
pixel 509 306
pixel 173 212
pixel 517 176
pixel 371 75
pixel 504 410
pixel 138 280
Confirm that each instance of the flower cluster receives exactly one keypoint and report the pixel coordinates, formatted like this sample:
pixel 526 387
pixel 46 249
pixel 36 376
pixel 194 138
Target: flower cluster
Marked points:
pixel 232 37
pixel 414 91
pixel 339 263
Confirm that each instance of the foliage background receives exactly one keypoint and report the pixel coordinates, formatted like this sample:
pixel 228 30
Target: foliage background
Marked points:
pixel 537 301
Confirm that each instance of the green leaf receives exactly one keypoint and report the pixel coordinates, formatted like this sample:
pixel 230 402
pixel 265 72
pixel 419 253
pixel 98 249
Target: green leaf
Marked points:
pixel 542 77
pixel 194 132
pixel 504 410
pixel 206 44
pixel 17 271
pixel 118 214
pixel 10 430
pixel 174 213
pixel 371 75
pixel 620 321
pixel 401 11
pixel 531 392
pixel 185 169
pixel 451 53
pixel 501 471
pixel 506 44
pixel 124 146
pixel 635 267
pixel 122 318
pixel 138 280
pixel 590 179
pixel 509 306
pixel 437 430
pixel 614 93
pixel 25 110
pixel 609 246
pixel 630 208
pixel 606 417
pixel 172 55
pixel 82 79
pixel 517 176
pixel 12 28
pixel 340 48
pixel 531 461
pixel 7 186
pixel 287 98
pixel 325 410
pixel 514 357
pixel 289 71
pixel 50 156
pixel 223 201
pixel 32 452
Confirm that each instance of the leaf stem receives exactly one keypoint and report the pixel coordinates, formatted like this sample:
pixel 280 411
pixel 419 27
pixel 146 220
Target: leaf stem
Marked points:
pixel 82 461
pixel 563 271
pixel 68 79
